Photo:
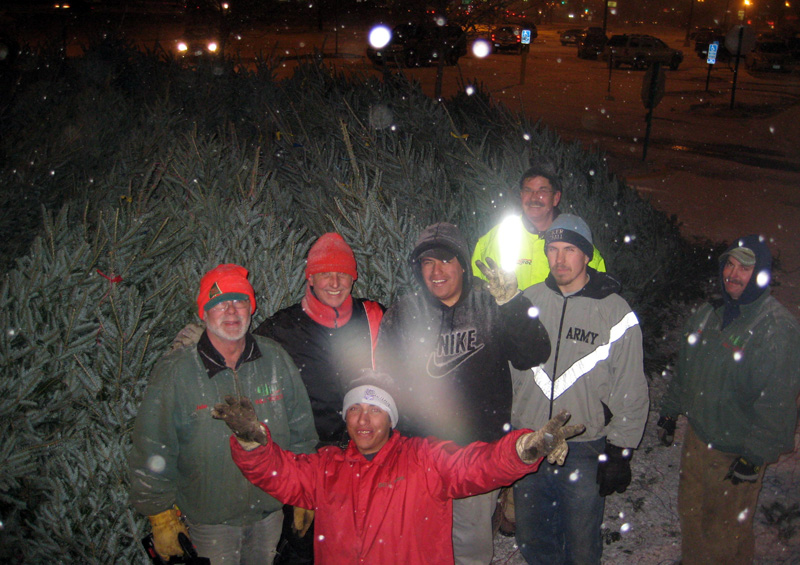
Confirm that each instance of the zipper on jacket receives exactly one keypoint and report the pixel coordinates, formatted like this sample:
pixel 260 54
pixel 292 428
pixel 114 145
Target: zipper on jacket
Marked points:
pixel 237 387
pixel 555 358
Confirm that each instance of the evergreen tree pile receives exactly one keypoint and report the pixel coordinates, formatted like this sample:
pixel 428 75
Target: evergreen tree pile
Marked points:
pixel 152 173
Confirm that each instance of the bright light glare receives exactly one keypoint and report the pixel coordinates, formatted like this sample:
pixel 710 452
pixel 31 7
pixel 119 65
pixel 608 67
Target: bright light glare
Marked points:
pixel 481 48
pixel 510 237
pixel 380 36
pixel 212 47
pixel 182 47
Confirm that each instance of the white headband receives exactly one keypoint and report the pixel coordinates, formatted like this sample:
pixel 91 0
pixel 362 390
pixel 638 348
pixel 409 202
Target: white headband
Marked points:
pixel 373 395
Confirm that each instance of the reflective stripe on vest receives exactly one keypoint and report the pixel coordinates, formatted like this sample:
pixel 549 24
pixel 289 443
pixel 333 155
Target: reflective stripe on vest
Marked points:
pixel 584 365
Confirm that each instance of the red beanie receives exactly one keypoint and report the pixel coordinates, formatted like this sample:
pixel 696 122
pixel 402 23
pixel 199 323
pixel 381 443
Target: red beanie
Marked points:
pixel 330 254
pixel 224 282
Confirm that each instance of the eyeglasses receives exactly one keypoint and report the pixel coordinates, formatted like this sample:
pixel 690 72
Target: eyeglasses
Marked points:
pixel 237 304
pixel 541 193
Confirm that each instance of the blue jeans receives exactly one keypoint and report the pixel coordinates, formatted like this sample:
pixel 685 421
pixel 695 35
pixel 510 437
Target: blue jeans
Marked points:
pixel 238 545
pixel 559 509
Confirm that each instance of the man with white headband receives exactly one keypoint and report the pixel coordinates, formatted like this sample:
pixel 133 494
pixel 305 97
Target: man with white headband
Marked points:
pixel 386 498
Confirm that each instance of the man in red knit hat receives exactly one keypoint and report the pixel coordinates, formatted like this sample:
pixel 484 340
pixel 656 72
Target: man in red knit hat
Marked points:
pixel 180 457
pixel 330 336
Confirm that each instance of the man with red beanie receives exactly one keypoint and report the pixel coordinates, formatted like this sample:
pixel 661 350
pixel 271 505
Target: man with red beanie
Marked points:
pixel 330 336
pixel 180 457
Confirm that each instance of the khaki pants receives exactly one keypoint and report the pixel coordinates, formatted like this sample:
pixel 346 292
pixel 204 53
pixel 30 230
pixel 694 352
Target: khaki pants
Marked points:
pixel 716 515
pixel 472 529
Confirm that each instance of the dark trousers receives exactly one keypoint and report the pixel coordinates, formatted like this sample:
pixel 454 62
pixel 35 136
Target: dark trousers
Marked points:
pixel 292 549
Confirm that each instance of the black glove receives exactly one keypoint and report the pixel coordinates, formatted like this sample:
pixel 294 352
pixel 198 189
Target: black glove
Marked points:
pixel 666 432
pixel 241 418
pixel 742 471
pixel 614 473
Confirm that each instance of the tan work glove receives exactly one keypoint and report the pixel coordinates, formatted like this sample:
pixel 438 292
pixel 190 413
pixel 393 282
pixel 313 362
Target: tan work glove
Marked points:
pixel 166 527
pixel 302 520
pixel 501 284
pixel 188 336
pixel 241 418
pixel 550 441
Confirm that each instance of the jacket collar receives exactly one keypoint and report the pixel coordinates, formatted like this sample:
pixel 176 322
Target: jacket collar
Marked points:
pixel 529 227
pixel 324 314
pixel 353 455
pixel 213 360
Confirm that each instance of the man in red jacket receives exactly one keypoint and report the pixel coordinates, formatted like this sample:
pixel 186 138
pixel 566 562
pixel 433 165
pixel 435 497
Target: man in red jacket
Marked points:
pixel 386 498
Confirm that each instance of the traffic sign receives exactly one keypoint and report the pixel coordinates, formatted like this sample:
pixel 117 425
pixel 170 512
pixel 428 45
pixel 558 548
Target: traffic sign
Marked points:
pixel 740 40
pixel 712 52
pixel 526 37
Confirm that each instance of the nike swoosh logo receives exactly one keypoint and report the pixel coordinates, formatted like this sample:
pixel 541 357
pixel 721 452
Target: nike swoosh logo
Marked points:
pixel 437 370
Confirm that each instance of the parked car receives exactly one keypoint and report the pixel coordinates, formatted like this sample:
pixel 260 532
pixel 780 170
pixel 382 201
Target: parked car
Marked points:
pixel 771 55
pixel 704 37
pixel 570 36
pixel 641 51
pixel 421 43
pixel 507 38
pixel 591 43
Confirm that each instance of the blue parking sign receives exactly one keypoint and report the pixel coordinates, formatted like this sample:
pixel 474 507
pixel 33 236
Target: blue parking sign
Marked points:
pixel 712 52
pixel 526 37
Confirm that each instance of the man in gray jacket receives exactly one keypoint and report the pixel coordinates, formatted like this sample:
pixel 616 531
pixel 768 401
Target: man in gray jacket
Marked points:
pixel 595 371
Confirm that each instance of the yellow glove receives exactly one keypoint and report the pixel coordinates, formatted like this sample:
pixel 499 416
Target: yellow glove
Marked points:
pixel 302 520
pixel 166 527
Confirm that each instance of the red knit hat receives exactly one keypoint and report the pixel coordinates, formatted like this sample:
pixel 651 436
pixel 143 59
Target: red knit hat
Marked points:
pixel 330 254
pixel 224 282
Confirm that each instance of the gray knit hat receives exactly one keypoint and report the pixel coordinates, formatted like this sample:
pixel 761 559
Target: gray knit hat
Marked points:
pixel 571 229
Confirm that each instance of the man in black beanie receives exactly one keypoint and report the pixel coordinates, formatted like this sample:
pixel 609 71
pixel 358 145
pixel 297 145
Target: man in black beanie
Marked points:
pixel 737 379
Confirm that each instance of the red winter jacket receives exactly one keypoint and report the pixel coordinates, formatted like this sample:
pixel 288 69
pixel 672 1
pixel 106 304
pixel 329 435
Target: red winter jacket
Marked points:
pixel 396 508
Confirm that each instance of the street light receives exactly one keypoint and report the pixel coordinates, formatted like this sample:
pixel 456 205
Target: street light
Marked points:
pixel 744 11
pixel 689 23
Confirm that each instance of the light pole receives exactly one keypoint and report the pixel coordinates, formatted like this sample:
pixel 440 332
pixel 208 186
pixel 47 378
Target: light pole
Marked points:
pixel 689 23
pixel 725 16
pixel 744 11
